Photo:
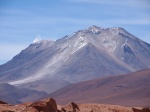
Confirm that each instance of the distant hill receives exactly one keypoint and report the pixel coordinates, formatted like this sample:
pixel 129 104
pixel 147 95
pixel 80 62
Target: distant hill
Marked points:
pixel 127 90
pixel 15 95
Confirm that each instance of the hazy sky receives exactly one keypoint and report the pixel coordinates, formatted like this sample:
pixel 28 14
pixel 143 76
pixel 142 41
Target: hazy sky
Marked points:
pixel 21 21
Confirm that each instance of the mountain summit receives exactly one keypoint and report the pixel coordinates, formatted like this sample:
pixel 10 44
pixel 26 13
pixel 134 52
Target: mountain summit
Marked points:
pixel 85 55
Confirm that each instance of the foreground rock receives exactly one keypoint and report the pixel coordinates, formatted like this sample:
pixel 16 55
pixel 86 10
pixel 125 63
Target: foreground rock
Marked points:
pixel 49 105
pixel 1 102
pixel 71 107
pixel 141 110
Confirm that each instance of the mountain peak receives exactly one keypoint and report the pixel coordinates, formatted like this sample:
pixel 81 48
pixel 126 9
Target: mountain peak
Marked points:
pixel 94 28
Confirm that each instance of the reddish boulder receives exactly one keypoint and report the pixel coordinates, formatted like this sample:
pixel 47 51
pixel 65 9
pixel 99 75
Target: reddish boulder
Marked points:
pixel 1 102
pixel 47 105
pixel 72 107
pixel 141 110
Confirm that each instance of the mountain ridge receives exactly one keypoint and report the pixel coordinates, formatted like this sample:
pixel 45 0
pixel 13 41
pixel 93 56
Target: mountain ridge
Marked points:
pixel 99 51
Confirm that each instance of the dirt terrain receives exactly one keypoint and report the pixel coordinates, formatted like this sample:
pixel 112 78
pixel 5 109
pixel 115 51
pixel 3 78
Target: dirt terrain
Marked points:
pixel 49 105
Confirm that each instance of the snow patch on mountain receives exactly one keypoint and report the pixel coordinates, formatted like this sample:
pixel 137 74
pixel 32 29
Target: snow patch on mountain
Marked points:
pixel 126 42
pixel 81 42
pixel 109 44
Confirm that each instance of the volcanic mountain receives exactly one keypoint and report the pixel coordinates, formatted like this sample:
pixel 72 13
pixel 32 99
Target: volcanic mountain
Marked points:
pixel 87 54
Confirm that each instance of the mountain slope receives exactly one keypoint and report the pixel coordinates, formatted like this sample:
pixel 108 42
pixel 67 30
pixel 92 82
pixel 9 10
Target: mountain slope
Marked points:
pixel 48 86
pixel 87 54
pixel 21 64
pixel 14 95
pixel 128 90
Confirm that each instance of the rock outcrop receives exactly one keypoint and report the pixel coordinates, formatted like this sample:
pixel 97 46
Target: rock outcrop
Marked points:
pixel 141 110
pixel 49 105
pixel 46 105
pixel 1 102
pixel 71 107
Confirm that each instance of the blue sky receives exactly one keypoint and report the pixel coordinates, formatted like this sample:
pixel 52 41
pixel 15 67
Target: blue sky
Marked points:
pixel 21 21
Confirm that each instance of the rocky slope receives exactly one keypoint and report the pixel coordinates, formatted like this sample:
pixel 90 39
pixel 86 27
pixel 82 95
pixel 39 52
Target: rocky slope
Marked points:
pixel 49 105
pixel 85 55
pixel 127 90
